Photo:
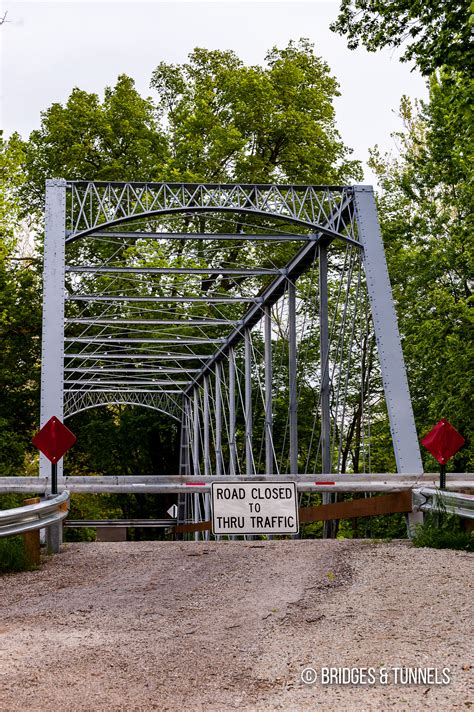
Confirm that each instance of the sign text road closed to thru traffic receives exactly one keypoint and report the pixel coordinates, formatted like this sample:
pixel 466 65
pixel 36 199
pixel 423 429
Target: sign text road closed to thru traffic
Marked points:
pixel 254 508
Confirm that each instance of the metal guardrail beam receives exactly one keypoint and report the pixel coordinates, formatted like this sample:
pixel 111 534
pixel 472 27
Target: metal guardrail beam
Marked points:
pixel 34 516
pixel 427 499
pixel 94 523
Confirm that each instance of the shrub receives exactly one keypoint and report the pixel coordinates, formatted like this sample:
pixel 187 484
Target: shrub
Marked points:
pixel 13 555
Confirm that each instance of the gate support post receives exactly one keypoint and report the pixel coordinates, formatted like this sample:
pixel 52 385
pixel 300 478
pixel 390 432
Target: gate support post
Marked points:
pixel 397 394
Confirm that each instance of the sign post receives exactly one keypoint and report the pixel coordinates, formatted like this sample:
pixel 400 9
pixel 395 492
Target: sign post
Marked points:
pixel 443 441
pixel 54 440
pixel 264 508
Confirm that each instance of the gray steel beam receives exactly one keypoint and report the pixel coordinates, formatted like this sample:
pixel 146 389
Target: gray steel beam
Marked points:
pixel 221 187
pixel 324 360
pixel 397 394
pixel 292 366
pixel 53 310
pixel 164 300
pixel 206 438
pixel 178 341
pixel 218 416
pixel 196 431
pixel 153 322
pixel 117 382
pixel 97 356
pixel 156 371
pixel 242 272
pixel 248 403
pixel 232 447
pixel 268 390
pixel 270 295
pixel 328 526
pixel 283 237
pixel 159 391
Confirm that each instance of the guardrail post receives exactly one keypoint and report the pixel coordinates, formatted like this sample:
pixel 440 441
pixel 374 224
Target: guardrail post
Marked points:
pixel 414 518
pixel 54 535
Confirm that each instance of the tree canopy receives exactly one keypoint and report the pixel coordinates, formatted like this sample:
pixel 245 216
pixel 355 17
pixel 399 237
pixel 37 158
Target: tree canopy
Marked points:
pixel 436 32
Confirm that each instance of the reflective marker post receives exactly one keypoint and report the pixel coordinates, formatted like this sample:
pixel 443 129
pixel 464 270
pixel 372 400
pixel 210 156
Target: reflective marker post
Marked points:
pixel 54 440
pixel 54 478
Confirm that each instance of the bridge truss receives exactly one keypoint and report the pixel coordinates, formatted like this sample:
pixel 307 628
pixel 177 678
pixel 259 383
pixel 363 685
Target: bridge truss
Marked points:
pixel 259 317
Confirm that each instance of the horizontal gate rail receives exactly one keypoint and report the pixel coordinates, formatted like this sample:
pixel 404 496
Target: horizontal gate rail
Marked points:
pixel 34 516
pixel 305 483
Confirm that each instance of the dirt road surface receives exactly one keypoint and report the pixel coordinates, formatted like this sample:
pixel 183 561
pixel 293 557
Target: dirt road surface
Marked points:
pixel 231 626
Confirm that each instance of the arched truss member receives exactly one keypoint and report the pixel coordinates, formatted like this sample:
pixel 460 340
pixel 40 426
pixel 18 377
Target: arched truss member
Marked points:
pixel 192 322
pixel 79 401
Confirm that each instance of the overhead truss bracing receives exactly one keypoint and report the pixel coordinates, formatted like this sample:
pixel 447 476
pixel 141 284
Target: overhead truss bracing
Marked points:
pixel 232 308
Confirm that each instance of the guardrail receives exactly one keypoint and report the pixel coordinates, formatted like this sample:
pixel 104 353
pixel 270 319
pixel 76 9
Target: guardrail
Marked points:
pixel 21 520
pixel 127 523
pixel 427 499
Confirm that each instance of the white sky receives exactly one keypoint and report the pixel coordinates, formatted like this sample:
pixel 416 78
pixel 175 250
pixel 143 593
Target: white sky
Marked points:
pixel 47 48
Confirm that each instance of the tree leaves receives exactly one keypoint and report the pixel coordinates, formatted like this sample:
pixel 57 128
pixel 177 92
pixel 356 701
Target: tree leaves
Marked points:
pixel 436 32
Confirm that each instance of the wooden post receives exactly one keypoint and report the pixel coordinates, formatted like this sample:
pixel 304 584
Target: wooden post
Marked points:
pixel 32 539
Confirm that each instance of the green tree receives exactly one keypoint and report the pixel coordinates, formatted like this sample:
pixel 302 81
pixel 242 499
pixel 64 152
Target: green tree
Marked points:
pixel 116 138
pixel 436 32
pixel 19 320
pixel 425 208
pixel 230 122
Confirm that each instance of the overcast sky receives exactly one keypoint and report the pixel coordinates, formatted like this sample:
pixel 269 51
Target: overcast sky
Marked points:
pixel 50 47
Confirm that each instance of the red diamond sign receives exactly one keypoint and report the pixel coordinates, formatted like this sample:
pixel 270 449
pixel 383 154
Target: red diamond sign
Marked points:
pixel 443 441
pixel 54 439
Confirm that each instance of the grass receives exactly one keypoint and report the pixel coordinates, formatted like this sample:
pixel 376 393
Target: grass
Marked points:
pixel 443 531
pixel 13 555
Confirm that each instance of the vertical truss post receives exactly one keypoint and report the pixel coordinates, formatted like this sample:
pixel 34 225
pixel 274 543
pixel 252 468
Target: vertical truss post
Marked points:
pixel 184 469
pixel 292 364
pixel 248 403
pixel 207 461
pixel 196 467
pixel 329 526
pixel 268 390
pixel 52 351
pixel 218 417
pixel 232 447
pixel 392 365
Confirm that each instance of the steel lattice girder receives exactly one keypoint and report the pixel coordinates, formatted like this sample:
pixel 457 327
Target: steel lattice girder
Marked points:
pixel 97 205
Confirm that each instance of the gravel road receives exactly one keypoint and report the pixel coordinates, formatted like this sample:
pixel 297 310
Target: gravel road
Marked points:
pixel 231 626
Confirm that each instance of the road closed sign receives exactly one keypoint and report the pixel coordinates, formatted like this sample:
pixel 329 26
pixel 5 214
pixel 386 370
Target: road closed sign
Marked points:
pixel 254 508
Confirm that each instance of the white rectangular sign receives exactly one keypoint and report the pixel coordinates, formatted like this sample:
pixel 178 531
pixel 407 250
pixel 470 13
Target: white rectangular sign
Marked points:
pixel 254 508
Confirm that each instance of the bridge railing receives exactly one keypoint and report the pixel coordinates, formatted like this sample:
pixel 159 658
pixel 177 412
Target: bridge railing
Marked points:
pixel 21 520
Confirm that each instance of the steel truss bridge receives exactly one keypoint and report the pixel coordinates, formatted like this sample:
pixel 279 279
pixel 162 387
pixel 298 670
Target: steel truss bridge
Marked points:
pixel 258 317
